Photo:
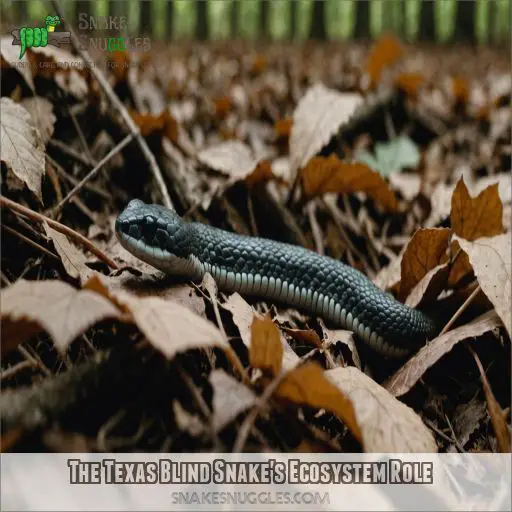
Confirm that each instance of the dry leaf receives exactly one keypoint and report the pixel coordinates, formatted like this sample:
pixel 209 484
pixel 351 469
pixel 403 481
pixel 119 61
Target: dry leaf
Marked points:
pixel 162 125
pixel 318 116
pixel 329 174
pixel 410 83
pixel 283 128
pixel 495 412
pixel 335 336
pixel 22 147
pixel 429 286
pixel 170 327
pixel 384 53
pixel 304 336
pixel 243 316
pixel 262 173
pixel 475 217
pixel 407 376
pixel 309 385
pixel 230 398
pixel 266 350
pixel 42 114
pixel 460 265
pixel 61 310
pixel 426 250
pixel 386 424
pixel 491 262
pixel 460 89
pixel 233 158
pixel 73 261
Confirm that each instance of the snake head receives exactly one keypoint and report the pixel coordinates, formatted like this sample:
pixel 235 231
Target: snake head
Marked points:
pixel 157 236
pixel 51 22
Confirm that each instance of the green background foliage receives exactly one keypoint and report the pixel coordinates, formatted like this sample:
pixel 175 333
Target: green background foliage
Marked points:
pixel 491 23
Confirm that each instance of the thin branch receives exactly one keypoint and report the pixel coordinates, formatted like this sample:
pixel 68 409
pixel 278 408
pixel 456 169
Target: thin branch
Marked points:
pixel 61 228
pixel 121 109
pixel 69 151
pixel 63 174
pixel 93 172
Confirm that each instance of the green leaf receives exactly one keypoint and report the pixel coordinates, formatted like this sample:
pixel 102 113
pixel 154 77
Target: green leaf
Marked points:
pixel 392 156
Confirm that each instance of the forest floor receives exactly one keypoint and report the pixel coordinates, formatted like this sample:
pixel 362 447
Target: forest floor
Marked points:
pixel 392 158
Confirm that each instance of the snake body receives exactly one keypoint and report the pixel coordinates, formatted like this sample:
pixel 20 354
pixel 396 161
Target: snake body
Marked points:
pixel 277 271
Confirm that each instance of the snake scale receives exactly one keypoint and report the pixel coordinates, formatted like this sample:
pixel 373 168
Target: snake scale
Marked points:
pixel 277 271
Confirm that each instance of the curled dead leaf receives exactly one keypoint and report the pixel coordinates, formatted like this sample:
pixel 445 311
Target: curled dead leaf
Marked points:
pixel 329 174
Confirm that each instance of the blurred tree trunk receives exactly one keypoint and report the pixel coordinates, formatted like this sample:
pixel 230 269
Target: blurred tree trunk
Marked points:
pixel 81 6
pixel 427 21
pixel 145 18
pixel 116 8
pixel 362 30
pixel 293 18
pixel 465 21
pixel 263 21
pixel 318 21
pixel 169 19
pixel 201 20
pixel 235 13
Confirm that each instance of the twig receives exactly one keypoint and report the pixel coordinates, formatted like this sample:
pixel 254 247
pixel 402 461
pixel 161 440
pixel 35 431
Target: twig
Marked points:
pixel 93 172
pixel 69 151
pixel 30 242
pixel 116 102
pixel 461 310
pixel 89 186
pixel 35 360
pixel 81 136
pixel 13 370
pixel 61 228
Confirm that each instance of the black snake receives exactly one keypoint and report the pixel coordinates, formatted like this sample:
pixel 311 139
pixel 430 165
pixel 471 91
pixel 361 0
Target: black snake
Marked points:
pixel 278 271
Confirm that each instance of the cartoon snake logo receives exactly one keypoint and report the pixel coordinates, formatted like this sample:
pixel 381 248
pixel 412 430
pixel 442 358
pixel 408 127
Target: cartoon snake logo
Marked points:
pixel 37 37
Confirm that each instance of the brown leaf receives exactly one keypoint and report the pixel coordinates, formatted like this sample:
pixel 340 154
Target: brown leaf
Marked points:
pixel 329 174
pixel 384 53
pixel 318 117
pixel 426 250
pixel 474 217
pixel 429 286
pixel 460 265
pixel 42 114
pixel 230 398
pixel 410 83
pixel 243 316
pixel 304 336
pixel 262 173
pixel 495 412
pixel 162 125
pixel 407 376
pixel 491 262
pixel 22 146
pixel 266 351
pixel 73 261
pixel 283 128
pixel 460 89
pixel 386 424
pixel 54 306
pixel 308 384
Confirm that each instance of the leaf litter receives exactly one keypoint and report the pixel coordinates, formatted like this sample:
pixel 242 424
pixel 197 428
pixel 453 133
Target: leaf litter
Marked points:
pixel 400 170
